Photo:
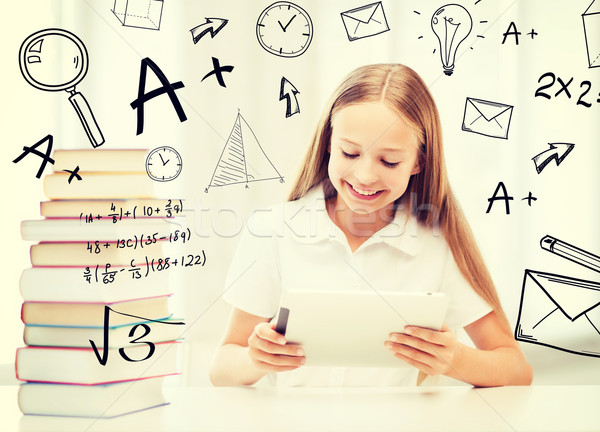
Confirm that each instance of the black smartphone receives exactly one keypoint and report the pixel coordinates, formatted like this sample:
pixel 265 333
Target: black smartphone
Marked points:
pixel 282 320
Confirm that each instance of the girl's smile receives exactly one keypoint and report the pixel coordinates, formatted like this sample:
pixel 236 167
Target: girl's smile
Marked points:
pixel 363 193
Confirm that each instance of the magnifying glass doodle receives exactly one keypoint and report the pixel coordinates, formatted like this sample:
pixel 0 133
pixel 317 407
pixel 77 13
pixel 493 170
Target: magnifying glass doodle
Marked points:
pixel 54 60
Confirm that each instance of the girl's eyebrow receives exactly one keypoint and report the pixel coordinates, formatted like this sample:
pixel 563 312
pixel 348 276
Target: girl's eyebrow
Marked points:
pixel 346 140
pixel 384 150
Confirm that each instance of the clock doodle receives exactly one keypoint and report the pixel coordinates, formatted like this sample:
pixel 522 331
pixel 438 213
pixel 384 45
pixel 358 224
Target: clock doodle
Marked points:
pixel 163 164
pixel 284 29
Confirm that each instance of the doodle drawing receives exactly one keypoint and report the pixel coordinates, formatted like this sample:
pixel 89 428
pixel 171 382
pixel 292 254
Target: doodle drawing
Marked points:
pixel 451 24
pixel 557 152
pixel 570 252
pixel 218 72
pixel 487 118
pixel 212 26
pixel 558 311
pixel 365 21
pixel 46 157
pixel 54 60
pixel 591 31
pixel 288 91
pixel 163 164
pixel 243 160
pixel 145 14
pixel 284 29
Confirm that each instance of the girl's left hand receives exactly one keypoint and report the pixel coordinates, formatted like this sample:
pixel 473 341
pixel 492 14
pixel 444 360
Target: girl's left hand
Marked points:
pixel 431 351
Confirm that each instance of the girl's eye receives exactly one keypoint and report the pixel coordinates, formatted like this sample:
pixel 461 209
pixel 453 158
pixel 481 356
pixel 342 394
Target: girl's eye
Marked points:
pixel 348 155
pixel 389 164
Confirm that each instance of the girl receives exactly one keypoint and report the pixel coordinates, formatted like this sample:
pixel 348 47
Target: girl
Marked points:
pixel 366 212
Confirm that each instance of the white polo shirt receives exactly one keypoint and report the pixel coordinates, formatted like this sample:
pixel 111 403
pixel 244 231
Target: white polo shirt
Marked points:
pixel 296 245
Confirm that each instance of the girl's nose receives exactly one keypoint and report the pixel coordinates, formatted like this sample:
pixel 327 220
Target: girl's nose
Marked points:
pixel 365 172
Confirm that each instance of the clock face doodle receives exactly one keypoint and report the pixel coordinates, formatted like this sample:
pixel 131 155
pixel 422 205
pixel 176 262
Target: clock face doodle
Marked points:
pixel 163 164
pixel 284 29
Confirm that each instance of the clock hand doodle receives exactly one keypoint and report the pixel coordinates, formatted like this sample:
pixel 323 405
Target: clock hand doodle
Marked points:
pixel 287 25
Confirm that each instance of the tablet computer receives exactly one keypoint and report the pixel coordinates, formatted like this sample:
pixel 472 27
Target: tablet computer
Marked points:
pixel 349 328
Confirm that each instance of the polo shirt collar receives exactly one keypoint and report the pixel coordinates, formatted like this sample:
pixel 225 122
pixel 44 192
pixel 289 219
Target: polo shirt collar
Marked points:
pixel 309 222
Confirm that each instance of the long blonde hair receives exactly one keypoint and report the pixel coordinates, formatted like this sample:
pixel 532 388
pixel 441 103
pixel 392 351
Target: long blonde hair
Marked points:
pixel 403 90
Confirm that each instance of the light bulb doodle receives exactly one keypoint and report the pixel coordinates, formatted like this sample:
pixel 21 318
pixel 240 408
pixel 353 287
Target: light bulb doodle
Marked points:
pixel 451 24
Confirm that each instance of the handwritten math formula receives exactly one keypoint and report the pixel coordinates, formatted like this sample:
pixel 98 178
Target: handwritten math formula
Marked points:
pixel 107 274
pixel 117 213
pixel 142 240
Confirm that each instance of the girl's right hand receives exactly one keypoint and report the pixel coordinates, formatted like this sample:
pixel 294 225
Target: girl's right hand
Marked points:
pixel 268 350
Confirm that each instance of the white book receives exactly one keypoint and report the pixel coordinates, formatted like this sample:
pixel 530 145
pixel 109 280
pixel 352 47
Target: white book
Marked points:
pixel 82 366
pixel 97 401
pixel 118 335
pixel 70 284
pixel 76 229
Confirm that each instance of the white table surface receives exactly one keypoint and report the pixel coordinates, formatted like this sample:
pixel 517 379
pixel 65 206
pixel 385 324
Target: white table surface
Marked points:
pixel 461 408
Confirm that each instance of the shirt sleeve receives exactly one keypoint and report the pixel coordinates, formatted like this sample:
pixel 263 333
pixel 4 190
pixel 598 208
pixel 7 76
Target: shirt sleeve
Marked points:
pixel 465 305
pixel 253 282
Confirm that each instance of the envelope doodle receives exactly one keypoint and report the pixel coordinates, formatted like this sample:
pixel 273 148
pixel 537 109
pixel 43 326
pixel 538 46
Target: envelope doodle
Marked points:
pixel 365 21
pixel 487 118
pixel 560 312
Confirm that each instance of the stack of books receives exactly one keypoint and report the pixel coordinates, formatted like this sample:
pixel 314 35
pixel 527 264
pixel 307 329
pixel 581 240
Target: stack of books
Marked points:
pixel 100 337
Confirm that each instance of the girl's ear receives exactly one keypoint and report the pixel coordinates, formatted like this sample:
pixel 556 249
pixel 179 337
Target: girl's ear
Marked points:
pixel 416 169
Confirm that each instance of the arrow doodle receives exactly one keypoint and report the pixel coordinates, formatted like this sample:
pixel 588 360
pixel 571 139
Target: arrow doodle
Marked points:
pixel 557 151
pixel 288 91
pixel 208 27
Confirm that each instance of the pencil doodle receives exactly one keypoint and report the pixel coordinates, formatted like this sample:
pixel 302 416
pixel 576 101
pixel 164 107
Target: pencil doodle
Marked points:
pixel 53 60
pixel 365 21
pixel 212 26
pixel 242 160
pixel 284 29
pixel 451 24
pixel 46 158
pixel 145 14
pixel 557 152
pixel 217 71
pixel 288 91
pixel 558 311
pixel 570 252
pixel 487 118
pixel 591 31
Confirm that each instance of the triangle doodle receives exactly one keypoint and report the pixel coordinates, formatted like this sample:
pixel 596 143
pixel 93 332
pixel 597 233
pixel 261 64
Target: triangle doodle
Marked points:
pixel 242 160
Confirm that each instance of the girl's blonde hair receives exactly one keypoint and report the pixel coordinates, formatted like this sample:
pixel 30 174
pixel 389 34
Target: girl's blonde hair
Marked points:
pixel 401 89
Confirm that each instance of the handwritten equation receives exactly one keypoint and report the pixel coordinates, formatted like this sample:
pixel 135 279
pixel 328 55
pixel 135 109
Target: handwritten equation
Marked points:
pixel 107 273
pixel 550 79
pixel 102 359
pixel 170 209
pixel 142 240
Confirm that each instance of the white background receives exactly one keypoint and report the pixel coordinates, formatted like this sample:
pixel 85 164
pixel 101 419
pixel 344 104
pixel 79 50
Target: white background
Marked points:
pixel 567 205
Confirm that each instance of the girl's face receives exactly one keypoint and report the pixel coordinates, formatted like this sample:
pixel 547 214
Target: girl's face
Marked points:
pixel 373 153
